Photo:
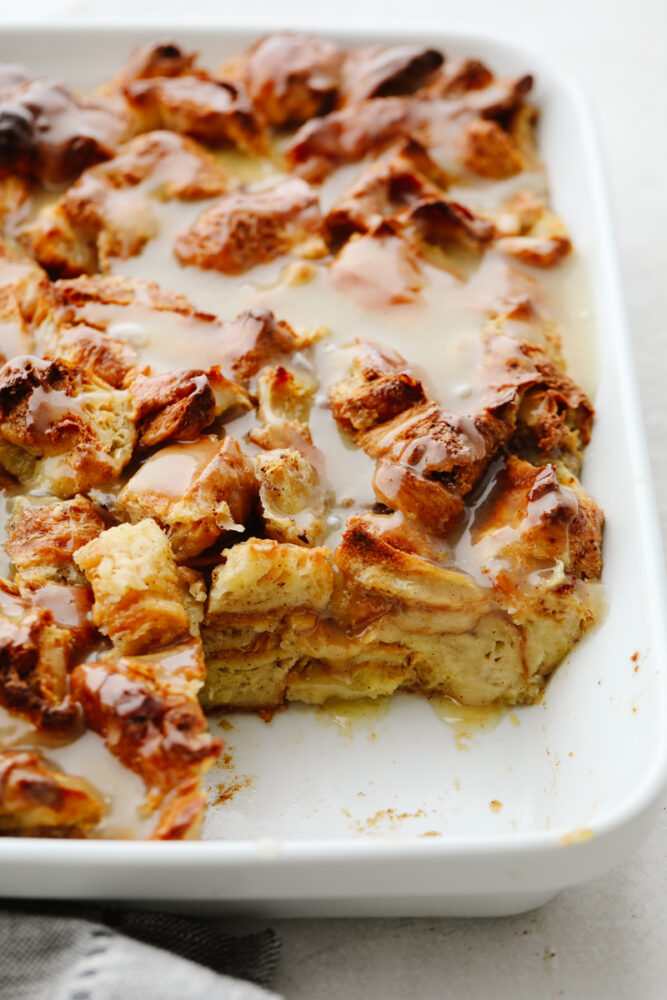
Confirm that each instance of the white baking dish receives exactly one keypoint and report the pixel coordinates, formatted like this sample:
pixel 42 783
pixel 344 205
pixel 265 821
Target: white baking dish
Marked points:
pixel 333 817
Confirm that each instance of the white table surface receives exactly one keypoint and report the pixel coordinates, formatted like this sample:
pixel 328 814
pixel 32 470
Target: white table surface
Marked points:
pixel 606 940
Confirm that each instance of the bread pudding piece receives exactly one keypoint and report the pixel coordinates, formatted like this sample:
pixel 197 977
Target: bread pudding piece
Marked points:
pixel 386 71
pixel 179 405
pixel 261 578
pixel 555 416
pixel 251 227
pixel 293 486
pixel 64 333
pixel 536 540
pixel 216 112
pixel 146 62
pixel 490 641
pixel 291 497
pixel 139 600
pixel 503 291
pixel 445 224
pixel 294 490
pixel 388 224
pixel 322 145
pixel 447 448
pixel 395 190
pixel 182 815
pixel 486 132
pixel 378 193
pixel 49 133
pixel 379 387
pixel 38 801
pixel 107 212
pixel 119 328
pixel 41 542
pixel 430 459
pixel 537 519
pixel 263 598
pixel 146 709
pixel 498 138
pixel 530 232
pixel 284 401
pixel 115 327
pixel 385 266
pixel 290 77
pixel 22 285
pixel 35 654
pixel 425 608
pixel 490 151
pixel 60 427
pixel 96 300
pixel 195 491
pixel 284 395
pixel 168 166
pixel 90 225
pixel 255 340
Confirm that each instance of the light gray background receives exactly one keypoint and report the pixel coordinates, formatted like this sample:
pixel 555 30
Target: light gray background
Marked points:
pixel 606 940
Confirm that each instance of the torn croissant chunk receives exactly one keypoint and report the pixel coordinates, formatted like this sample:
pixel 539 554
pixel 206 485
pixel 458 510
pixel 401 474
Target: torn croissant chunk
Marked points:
pixel 35 654
pixel 250 228
pixel 139 601
pixel 36 800
pixel 146 709
pixel 41 541
pixel 196 491
pixel 51 134
pixel 291 496
pixel 107 212
pixel 61 427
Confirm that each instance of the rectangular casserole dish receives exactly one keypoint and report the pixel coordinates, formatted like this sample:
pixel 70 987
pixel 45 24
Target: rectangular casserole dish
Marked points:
pixel 392 814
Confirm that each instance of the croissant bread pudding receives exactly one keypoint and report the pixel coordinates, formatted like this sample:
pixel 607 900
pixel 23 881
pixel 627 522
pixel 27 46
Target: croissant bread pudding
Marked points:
pixel 284 410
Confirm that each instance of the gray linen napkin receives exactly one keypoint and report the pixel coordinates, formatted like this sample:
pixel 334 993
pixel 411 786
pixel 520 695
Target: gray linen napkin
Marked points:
pixel 61 957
